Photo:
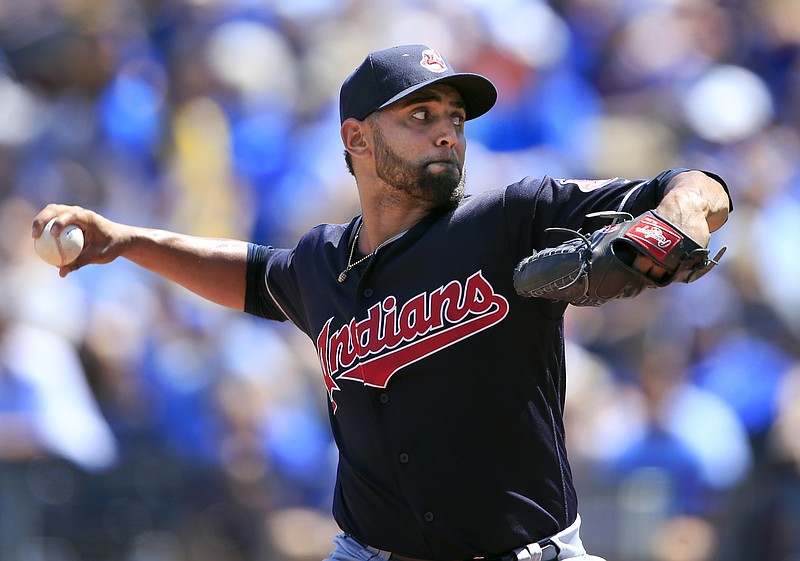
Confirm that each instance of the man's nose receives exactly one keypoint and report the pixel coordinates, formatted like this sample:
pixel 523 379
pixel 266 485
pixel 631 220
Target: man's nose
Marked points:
pixel 447 134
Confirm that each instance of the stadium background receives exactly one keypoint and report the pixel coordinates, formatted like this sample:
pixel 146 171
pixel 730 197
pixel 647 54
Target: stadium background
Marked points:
pixel 138 423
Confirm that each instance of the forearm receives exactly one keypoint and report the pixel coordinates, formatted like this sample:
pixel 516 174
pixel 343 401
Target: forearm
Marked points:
pixel 212 268
pixel 216 269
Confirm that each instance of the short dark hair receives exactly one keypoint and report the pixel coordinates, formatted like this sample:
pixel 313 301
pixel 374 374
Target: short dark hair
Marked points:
pixel 348 160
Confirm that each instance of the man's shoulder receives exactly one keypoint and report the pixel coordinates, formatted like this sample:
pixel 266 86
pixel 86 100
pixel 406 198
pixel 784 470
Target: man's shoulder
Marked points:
pixel 528 187
pixel 323 234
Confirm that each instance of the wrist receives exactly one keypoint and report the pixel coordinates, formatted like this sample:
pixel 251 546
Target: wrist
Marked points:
pixel 692 195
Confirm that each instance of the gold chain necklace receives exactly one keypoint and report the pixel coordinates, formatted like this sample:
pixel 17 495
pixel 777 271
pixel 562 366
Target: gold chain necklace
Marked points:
pixel 350 265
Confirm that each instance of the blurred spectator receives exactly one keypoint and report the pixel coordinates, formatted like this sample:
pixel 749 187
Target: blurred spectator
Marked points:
pixel 669 448
pixel 746 371
pixel 51 426
pixel 157 428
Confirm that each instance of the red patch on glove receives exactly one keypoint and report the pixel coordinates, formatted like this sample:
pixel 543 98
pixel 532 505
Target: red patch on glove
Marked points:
pixel 656 237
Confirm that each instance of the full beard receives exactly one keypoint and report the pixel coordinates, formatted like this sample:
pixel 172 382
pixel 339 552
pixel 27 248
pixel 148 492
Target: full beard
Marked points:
pixel 441 190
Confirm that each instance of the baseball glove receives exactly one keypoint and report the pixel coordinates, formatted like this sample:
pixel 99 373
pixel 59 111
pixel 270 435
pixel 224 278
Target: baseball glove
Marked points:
pixel 595 269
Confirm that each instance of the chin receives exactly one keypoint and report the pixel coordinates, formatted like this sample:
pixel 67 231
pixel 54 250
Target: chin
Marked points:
pixel 450 199
pixel 441 190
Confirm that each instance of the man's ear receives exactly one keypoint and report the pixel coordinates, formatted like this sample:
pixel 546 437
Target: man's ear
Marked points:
pixel 354 138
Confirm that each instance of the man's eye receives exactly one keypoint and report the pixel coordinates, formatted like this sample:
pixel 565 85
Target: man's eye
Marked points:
pixel 458 120
pixel 419 115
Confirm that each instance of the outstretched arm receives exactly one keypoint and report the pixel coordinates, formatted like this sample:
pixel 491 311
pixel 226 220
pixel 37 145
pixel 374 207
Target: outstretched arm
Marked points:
pixel 213 268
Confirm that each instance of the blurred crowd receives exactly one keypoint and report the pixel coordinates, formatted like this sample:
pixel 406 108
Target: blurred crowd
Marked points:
pixel 138 423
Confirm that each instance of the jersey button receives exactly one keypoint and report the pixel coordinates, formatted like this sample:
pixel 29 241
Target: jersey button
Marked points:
pixel 428 516
pixel 368 292
pixel 404 458
pixel 384 398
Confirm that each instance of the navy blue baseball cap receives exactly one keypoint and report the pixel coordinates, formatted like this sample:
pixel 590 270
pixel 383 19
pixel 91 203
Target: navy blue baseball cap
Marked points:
pixel 390 74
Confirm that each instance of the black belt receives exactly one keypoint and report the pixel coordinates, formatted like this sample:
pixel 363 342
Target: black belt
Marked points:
pixel 550 551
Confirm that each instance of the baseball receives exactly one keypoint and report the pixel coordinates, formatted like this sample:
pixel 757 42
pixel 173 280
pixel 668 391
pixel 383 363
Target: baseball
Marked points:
pixel 62 249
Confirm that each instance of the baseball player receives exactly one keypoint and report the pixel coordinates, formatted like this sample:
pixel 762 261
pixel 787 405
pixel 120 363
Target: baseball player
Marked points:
pixel 445 381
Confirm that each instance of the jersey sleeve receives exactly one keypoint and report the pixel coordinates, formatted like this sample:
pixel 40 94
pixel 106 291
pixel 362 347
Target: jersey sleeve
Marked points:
pixel 271 285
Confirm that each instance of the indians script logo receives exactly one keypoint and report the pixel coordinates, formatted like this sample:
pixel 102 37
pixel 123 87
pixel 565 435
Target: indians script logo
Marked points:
pixel 395 335
pixel 433 61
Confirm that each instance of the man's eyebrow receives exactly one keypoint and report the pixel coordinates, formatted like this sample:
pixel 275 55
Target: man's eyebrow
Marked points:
pixel 427 96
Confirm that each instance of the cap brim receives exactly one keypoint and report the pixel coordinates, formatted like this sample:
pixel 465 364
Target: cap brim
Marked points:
pixel 478 93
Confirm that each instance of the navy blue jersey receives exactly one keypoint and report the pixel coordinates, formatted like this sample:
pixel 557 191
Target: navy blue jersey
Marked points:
pixel 446 388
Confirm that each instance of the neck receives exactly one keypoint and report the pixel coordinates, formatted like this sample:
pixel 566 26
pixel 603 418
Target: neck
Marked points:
pixel 380 227
pixel 386 211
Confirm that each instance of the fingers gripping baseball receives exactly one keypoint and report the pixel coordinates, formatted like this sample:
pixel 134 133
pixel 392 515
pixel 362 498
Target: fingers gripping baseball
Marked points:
pixel 102 241
pixel 62 249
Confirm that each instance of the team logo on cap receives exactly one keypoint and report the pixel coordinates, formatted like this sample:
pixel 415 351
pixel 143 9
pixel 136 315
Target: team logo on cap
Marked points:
pixel 433 61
